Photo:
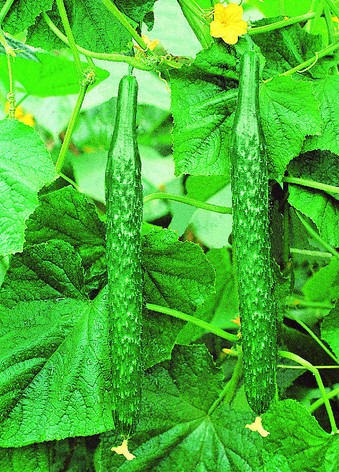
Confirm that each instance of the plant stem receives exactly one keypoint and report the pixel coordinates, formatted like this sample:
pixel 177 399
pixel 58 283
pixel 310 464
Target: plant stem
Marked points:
pixel 125 23
pixel 5 9
pixel 101 55
pixel 333 7
pixel 318 55
pixel 312 184
pixel 331 35
pixel 70 181
pixel 316 339
pixel 192 319
pixel 307 252
pixel 284 366
pixel 69 34
pixel 228 391
pixel 320 401
pixel 189 201
pixel 281 24
pixel 296 302
pixel 82 92
pixel 195 18
pixel 316 236
pixel 315 372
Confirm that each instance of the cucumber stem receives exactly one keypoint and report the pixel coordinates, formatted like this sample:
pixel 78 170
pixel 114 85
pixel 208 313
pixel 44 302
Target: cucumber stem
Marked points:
pixel 312 184
pixel 189 201
pixel 5 9
pixel 69 34
pixel 281 24
pixel 227 394
pixel 320 401
pixel 316 236
pixel 315 372
pixel 192 319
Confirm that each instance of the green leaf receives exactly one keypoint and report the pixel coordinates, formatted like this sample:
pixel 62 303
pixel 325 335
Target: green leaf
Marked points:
pixel 92 26
pixel 320 166
pixel 323 211
pixel 326 92
pixel 289 112
pixel 222 305
pixel 177 430
pixel 203 98
pixel 330 330
pixel 285 48
pixel 295 434
pixel 324 284
pixel 23 14
pixel 25 166
pixel 77 223
pixel 30 459
pixel 36 76
pixel 136 9
pixel 176 274
pixel 55 376
pixel 20 49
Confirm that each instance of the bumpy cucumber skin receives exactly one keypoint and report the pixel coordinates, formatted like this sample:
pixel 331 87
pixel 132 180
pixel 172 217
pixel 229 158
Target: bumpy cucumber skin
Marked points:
pixel 123 249
pixel 251 233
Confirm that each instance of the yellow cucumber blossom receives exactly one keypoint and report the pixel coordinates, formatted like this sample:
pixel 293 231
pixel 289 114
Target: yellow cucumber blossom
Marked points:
pixel 228 23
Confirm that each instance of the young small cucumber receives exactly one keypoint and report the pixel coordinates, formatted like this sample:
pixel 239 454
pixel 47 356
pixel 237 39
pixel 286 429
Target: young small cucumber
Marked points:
pixel 123 248
pixel 252 247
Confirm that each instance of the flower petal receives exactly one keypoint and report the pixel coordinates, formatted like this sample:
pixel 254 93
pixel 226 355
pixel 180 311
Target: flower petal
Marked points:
pixel 217 29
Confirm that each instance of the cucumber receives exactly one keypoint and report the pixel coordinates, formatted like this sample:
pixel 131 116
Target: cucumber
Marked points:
pixel 251 236
pixel 123 250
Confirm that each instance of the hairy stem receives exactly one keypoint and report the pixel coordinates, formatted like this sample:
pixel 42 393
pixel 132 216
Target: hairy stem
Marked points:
pixel 315 372
pixel 189 201
pixel 307 252
pixel 69 34
pixel 5 9
pixel 320 401
pixel 192 319
pixel 312 184
pixel 309 63
pixel 315 337
pixel 88 80
pixel 280 24
pixel 227 394
pixel 316 236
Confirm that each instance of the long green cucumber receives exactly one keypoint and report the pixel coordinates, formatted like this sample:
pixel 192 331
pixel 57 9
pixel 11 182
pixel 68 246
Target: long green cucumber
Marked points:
pixel 251 236
pixel 123 248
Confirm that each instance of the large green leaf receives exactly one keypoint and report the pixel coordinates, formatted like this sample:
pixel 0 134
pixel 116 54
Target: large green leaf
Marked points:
pixel 295 434
pixel 36 76
pixel 289 112
pixel 30 459
pixel 176 274
pixel 330 330
pixel 93 27
pixel 323 211
pixel 203 98
pixel 181 427
pixel 326 92
pixel 23 13
pixel 324 284
pixel 25 166
pixel 55 376
pixel 222 305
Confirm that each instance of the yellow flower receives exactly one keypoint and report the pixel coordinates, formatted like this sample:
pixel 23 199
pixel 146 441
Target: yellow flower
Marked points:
pixel 20 115
pixel 228 23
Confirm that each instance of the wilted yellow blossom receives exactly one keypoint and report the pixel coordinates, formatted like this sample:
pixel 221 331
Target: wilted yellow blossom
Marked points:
pixel 228 23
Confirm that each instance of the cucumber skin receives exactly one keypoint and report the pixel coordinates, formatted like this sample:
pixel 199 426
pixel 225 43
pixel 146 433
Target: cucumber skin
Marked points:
pixel 251 232
pixel 123 248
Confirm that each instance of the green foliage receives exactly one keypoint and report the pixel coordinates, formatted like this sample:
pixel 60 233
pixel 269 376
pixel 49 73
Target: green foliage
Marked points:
pixel 22 176
pixel 56 353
